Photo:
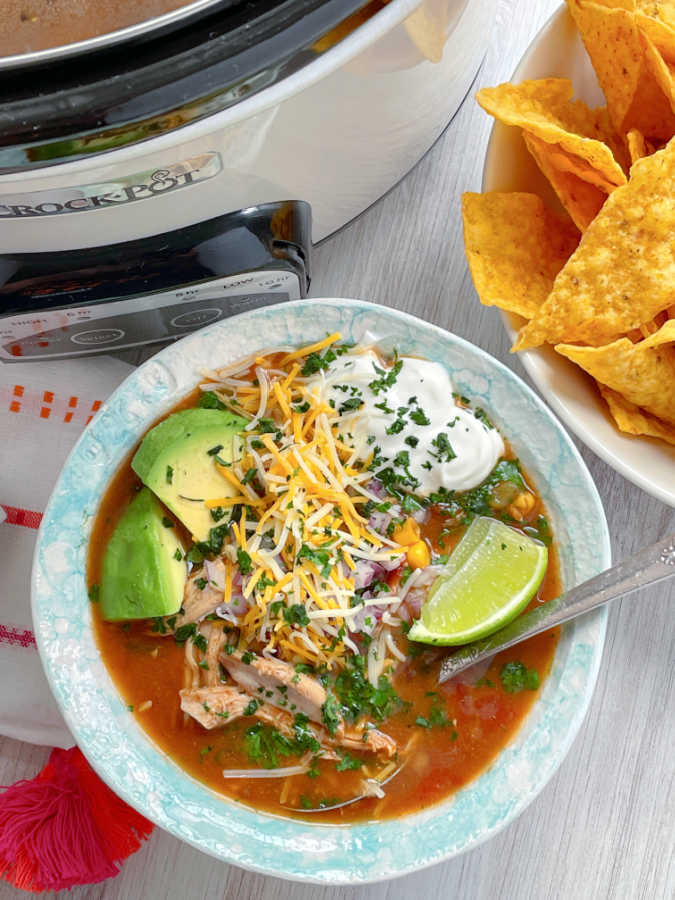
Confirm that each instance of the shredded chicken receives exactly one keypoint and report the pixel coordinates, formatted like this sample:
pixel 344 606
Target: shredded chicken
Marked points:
pixel 368 739
pixel 289 689
pixel 199 602
pixel 214 707
pixel 292 692
pixel 213 648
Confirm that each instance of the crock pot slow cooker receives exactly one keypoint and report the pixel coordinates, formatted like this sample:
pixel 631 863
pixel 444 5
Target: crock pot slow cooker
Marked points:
pixel 165 175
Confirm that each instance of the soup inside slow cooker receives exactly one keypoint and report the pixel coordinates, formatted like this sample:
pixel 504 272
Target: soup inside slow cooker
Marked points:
pixel 30 25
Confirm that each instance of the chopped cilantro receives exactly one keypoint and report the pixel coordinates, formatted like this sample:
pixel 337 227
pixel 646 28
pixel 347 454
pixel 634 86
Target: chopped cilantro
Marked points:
pixel 304 668
pixel 201 583
pixel 437 716
pixel 419 418
pixel 169 474
pixel 330 712
pixel 358 697
pixel 159 626
pixel 515 677
pixel 95 593
pixel 396 428
pixel 383 406
pixel 244 561
pixel 444 451
pixel 314 363
pixel 217 513
pixel 247 657
pixel 250 709
pixel 386 379
pixel 480 414
pixel 209 400
pixel 348 763
pixel 412 441
pixel 296 615
pixel 214 451
pixel 320 558
pixel 182 633
pixel 194 555
pixel 540 531
pixel 349 405
pixel 302 407
pixel 266 745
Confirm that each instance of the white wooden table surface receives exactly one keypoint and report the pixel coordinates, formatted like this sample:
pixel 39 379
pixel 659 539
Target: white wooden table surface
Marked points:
pixel 604 827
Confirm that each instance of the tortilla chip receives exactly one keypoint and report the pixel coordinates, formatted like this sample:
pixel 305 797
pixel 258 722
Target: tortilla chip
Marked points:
pixel 663 72
pixel 632 420
pixel 426 29
pixel 613 42
pixel 638 147
pixel 583 201
pixel 347 26
pixel 544 108
pixel 623 272
pixel 644 373
pixel 515 246
pixel 656 28
pixel 618 4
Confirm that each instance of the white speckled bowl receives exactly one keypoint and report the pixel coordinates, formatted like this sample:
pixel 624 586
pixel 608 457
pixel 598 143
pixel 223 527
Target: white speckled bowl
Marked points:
pixel 149 780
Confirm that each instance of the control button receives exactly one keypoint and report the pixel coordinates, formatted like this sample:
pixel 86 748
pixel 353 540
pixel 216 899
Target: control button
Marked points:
pixel 196 317
pixel 97 336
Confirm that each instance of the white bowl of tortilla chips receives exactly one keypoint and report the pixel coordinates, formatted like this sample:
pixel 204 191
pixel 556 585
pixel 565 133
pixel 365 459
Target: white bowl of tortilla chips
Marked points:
pixel 612 307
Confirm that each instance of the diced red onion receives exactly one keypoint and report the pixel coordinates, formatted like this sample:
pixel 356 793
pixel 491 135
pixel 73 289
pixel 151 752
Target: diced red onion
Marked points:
pixel 379 521
pixel 420 515
pixel 390 564
pixel 376 487
pixel 414 601
pixel 365 573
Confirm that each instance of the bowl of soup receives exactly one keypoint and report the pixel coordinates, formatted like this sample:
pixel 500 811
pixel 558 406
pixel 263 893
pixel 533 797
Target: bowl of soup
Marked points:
pixel 231 563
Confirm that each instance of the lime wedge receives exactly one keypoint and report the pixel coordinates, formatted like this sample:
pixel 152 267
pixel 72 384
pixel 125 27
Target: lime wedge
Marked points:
pixel 491 576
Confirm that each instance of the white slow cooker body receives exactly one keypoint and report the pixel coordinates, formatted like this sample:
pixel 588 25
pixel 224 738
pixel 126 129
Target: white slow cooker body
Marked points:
pixel 338 134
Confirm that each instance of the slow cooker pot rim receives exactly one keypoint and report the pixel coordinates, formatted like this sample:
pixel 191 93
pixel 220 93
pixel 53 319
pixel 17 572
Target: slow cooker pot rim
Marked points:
pixel 337 56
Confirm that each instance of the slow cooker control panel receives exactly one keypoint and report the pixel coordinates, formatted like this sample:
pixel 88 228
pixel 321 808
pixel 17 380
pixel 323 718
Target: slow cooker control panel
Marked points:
pixel 55 305
pixel 144 319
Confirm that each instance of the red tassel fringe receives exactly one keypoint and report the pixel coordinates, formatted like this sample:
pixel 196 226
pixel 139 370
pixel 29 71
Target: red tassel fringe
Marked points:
pixel 65 827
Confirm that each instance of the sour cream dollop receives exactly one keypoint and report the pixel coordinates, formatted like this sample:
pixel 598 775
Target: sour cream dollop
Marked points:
pixel 405 414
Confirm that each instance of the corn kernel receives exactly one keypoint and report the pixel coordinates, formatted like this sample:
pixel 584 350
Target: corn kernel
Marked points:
pixel 418 555
pixel 408 533
pixel 522 506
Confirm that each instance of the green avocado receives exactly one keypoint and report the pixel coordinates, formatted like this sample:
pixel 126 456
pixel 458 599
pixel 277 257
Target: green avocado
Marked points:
pixel 143 570
pixel 177 460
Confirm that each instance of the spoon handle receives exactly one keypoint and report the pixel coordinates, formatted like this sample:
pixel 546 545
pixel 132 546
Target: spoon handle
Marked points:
pixel 652 564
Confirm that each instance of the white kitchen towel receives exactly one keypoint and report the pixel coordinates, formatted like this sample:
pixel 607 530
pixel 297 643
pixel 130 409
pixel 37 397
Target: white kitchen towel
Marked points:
pixel 44 407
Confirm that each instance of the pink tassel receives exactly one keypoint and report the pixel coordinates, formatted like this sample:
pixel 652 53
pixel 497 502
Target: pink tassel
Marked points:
pixel 65 827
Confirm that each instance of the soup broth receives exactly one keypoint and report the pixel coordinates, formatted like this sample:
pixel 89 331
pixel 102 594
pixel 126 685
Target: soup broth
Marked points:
pixel 433 739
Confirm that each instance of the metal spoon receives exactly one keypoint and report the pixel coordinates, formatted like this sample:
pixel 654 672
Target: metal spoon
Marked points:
pixel 654 563
pixel 320 809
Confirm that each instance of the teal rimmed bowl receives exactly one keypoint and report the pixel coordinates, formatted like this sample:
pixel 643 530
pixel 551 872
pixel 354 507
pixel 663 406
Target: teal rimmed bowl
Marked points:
pixel 149 780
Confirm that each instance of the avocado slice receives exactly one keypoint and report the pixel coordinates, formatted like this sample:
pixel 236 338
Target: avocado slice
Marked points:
pixel 177 460
pixel 143 569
